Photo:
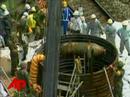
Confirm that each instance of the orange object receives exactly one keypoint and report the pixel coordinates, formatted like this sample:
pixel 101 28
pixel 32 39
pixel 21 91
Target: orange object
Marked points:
pixel 37 88
pixel 34 67
pixel 30 30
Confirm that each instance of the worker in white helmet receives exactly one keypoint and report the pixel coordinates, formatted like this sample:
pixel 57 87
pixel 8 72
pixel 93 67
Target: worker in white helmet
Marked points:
pixel 124 35
pixel 4 8
pixel 25 15
pixel 94 27
pixel 110 32
pixel 27 7
pixel 5 28
pixel 84 25
pixel 23 36
pixel 76 23
pixel 31 24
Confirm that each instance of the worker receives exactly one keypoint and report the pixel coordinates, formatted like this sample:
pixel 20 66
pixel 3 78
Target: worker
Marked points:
pixel 4 8
pixel 83 25
pixel 27 8
pixel 66 16
pixel 118 75
pixel 31 24
pixel 23 35
pixel 23 27
pixel 5 23
pixel 24 18
pixel 76 23
pixel 94 27
pixel 124 35
pixel 110 32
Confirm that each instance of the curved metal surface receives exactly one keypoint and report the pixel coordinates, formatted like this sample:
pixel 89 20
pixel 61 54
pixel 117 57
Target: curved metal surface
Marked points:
pixel 95 84
pixel 111 52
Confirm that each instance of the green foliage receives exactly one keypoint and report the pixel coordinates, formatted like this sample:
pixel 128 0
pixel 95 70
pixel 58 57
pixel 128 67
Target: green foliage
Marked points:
pixel 24 94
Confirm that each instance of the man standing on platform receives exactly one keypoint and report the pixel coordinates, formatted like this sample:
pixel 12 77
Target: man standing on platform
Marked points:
pixel 124 35
pixel 110 32
pixel 94 27
pixel 66 16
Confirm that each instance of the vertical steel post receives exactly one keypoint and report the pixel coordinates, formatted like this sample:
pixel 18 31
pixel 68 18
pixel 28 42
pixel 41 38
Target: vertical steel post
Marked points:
pixel 50 70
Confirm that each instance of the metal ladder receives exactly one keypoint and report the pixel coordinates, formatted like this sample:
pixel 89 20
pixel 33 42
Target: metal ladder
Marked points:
pixel 75 82
pixel 73 86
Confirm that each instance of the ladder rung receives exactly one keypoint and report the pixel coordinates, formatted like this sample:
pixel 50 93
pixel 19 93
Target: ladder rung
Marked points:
pixel 62 87
pixel 67 83
pixel 82 59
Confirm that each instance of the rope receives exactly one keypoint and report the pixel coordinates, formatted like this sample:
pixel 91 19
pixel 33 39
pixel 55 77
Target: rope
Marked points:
pixel 110 88
pixel 76 89
pixel 71 81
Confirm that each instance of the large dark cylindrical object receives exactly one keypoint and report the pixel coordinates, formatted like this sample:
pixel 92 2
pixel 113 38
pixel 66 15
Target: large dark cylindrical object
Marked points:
pixel 95 83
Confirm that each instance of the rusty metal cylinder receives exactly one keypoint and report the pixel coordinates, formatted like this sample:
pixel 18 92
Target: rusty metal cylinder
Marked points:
pixel 95 83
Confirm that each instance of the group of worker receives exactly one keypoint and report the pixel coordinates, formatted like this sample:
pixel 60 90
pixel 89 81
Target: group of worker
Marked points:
pixel 25 27
pixel 16 32
pixel 74 23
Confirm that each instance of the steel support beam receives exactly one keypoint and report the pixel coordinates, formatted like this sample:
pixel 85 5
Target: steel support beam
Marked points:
pixel 50 70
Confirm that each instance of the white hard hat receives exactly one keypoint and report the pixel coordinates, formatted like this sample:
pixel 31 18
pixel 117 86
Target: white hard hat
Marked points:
pixel 33 9
pixel 76 13
pixel 93 16
pixel 125 23
pixel 3 6
pixel 109 21
pixel 27 6
pixel 25 14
